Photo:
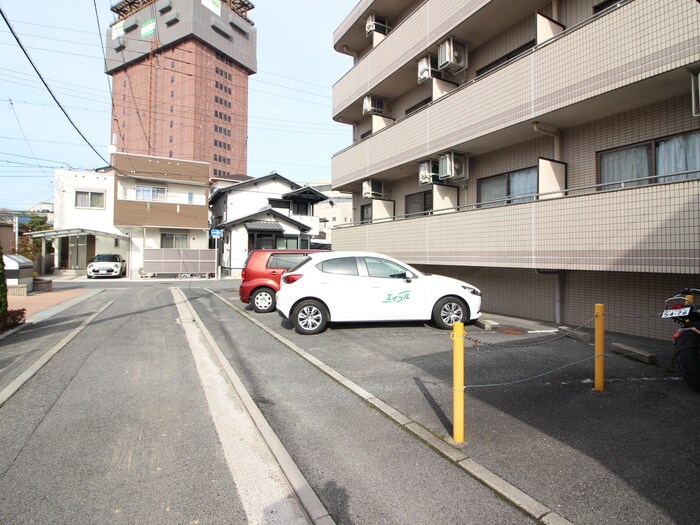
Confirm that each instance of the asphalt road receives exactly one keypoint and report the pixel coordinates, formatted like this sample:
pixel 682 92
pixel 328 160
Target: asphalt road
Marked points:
pixel 117 425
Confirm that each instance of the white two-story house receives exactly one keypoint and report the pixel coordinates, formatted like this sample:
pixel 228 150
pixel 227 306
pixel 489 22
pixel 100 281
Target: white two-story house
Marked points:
pixel 267 212
pixel 152 211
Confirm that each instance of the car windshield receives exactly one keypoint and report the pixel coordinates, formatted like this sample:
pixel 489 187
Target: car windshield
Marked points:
pixel 107 258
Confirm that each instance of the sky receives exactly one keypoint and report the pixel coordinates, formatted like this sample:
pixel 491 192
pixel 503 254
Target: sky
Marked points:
pixel 290 126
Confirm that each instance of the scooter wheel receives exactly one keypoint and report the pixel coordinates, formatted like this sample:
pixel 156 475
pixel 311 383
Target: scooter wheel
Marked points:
pixel 688 360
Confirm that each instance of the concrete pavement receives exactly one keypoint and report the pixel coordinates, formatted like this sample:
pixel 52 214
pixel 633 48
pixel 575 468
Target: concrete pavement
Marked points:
pixel 67 415
pixel 500 461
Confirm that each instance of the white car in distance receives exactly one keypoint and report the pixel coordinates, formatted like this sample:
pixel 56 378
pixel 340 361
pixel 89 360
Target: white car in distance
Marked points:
pixel 106 265
pixel 361 286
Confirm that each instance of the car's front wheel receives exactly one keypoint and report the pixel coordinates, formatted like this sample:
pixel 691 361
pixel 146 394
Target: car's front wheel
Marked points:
pixel 309 317
pixel 448 311
pixel 263 300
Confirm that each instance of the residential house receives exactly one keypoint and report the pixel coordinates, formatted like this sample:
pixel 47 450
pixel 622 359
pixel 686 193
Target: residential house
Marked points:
pixel 546 151
pixel 152 211
pixel 267 212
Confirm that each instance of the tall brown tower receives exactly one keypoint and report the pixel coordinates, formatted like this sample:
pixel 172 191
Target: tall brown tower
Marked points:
pixel 180 73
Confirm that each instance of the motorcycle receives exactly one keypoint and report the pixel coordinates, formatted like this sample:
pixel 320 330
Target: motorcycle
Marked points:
pixel 683 310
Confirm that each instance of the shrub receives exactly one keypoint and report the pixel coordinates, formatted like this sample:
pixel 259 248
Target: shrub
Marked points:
pixel 12 318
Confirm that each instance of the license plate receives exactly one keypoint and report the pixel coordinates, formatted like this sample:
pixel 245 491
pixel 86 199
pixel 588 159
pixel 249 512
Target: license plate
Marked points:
pixel 676 312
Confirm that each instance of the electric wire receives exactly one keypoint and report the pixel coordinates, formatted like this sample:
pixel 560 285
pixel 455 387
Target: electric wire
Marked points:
pixel 26 54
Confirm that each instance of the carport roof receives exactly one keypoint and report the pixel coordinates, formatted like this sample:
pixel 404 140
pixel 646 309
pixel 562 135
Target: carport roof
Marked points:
pixel 67 232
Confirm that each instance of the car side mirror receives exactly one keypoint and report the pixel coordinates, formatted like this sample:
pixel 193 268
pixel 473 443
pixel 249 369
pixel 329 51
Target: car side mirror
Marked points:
pixel 409 276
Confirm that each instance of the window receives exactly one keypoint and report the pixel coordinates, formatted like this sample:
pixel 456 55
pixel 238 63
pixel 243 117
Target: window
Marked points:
pixel 174 240
pixel 285 260
pixel 508 188
pixel 150 193
pixel 300 208
pixel 678 157
pixel 384 268
pixel 621 167
pixel 279 203
pixel 286 243
pixel 419 203
pixel 190 197
pixel 341 266
pixel 366 213
pixel 89 199
pixel 664 160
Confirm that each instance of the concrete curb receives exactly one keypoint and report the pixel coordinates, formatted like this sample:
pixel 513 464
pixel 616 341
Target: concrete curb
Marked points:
pixel 500 486
pixel 312 505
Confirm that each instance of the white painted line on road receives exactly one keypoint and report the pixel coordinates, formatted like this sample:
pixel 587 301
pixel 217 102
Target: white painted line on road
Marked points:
pixel 508 491
pixel 25 376
pixel 271 487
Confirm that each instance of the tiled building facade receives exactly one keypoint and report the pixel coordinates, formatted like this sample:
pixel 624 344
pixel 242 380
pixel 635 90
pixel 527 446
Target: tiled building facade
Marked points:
pixel 180 80
pixel 574 130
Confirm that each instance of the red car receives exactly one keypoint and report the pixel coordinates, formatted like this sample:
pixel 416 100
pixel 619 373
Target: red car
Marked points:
pixel 262 273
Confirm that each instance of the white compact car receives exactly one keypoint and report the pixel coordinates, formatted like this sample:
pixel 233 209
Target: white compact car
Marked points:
pixel 361 286
pixel 106 265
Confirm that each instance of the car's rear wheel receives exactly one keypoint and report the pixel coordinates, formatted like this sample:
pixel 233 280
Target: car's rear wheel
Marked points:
pixel 309 317
pixel 263 300
pixel 448 311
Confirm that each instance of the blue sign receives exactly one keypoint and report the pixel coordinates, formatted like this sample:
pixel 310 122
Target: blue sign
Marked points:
pixel 217 234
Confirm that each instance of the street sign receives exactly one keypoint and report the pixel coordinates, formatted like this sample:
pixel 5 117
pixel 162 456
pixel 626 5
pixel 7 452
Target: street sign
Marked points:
pixel 217 234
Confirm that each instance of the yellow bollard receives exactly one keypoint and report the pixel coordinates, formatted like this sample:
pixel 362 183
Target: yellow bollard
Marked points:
pixel 458 382
pixel 599 347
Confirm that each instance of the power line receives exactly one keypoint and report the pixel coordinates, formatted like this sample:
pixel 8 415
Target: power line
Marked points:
pixel 19 125
pixel 19 43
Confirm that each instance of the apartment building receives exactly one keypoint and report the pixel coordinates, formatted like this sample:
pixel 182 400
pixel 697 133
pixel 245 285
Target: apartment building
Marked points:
pixel 546 151
pixel 180 73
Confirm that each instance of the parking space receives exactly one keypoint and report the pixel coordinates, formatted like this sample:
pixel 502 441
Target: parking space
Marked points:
pixel 532 415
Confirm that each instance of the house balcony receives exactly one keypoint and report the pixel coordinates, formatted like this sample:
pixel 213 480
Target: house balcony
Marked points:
pixel 160 214
pixel 634 55
pixel 649 229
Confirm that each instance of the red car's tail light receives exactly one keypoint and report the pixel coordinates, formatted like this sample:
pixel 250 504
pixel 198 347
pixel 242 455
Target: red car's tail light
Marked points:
pixel 291 278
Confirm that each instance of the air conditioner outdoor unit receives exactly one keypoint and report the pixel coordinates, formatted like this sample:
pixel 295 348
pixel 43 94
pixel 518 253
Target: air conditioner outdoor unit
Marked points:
pixel 428 172
pixel 452 56
pixel 427 69
pixel 453 166
pixel 372 105
pixel 372 189
pixel 376 23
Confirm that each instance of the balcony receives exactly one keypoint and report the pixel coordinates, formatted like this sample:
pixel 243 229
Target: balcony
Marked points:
pixel 163 214
pixel 650 229
pixel 389 68
pixel 634 55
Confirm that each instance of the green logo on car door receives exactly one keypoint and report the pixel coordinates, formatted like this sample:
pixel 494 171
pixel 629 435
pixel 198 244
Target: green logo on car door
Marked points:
pixel 397 298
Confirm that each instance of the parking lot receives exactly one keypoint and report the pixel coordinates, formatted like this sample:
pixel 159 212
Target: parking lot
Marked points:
pixel 628 454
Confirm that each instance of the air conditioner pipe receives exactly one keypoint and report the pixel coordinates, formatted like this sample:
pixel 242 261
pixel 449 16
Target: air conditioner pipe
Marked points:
pixel 557 292
pixel 556 135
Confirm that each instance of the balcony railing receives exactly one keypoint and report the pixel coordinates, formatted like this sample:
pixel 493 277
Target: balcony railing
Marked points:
pixel 552 76
pixel 651 228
